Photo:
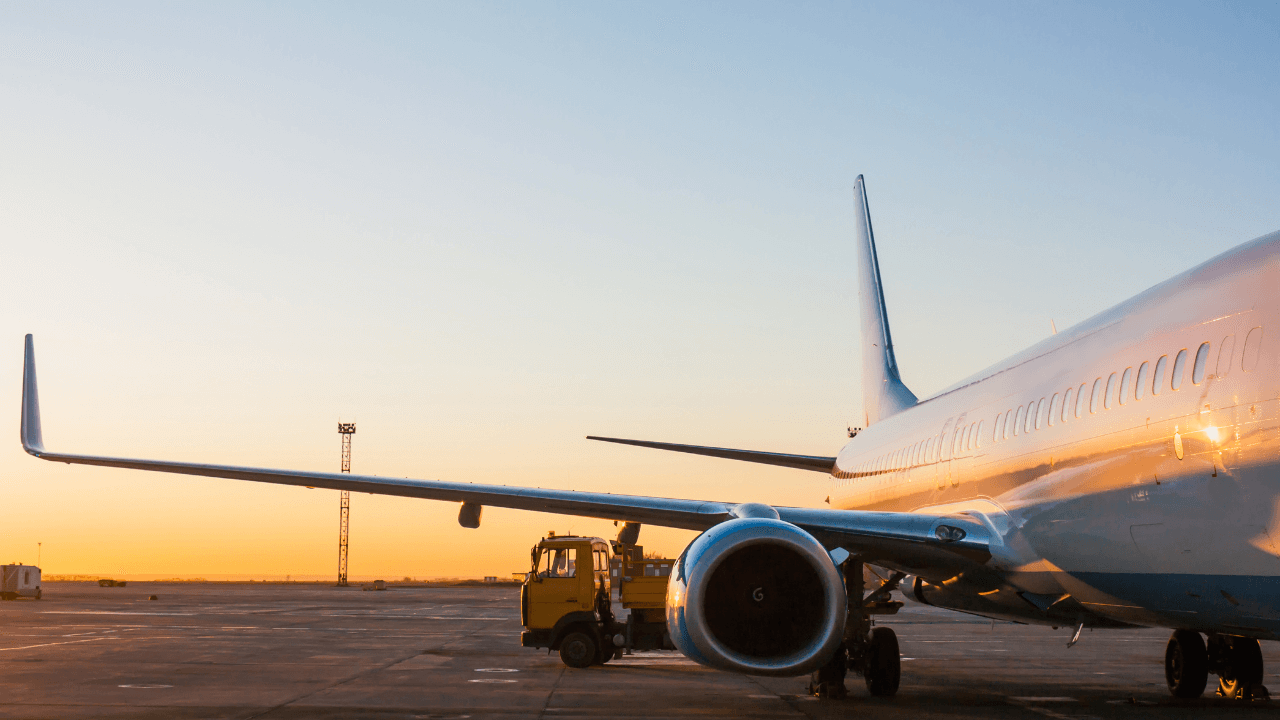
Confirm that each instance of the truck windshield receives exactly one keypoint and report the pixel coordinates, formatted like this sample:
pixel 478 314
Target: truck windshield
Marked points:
pixel 559 563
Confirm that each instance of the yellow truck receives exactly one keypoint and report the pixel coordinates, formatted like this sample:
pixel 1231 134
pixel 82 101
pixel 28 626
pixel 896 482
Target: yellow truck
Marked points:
pixel 567 601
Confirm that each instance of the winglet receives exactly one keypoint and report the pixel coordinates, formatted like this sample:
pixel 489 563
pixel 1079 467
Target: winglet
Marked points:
pixel 32 442
pixel 883 393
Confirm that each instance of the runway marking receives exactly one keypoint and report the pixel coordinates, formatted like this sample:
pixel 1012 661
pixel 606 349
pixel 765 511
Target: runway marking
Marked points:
pixel 69 642
pixel 1053 699
pixel 109 612
pixel 493 680
pixel 497 670
pixel 145 687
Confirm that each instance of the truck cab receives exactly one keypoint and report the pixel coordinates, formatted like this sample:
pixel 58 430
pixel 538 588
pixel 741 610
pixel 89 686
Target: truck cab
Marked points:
pixel 566 603
pixel 566 598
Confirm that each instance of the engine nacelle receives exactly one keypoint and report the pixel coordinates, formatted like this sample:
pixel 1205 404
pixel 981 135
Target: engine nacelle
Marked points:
pixel 758 596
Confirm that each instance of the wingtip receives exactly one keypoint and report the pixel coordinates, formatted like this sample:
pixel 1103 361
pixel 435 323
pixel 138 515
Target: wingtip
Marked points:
pixel 32 441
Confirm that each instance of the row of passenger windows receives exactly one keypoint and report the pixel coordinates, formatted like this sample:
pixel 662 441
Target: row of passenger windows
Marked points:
pixel 1119 388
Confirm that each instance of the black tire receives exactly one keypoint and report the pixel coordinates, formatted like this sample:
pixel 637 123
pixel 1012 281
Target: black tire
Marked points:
pixel 1186 664
pixel 1243 669
pixel 578 650
pixel 884 663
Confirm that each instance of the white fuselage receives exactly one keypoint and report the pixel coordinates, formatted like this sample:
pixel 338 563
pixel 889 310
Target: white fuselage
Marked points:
pixel 1147 504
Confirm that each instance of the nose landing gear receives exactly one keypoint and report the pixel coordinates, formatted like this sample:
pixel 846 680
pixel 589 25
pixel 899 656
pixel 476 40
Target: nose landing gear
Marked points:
pixel 1237 661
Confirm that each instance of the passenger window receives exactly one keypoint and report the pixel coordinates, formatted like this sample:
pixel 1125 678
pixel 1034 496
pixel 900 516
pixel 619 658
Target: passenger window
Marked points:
pixel 1066 404
pixel 1179 363
pixel 1081 394
pixel 1202 359
pixel 977 442
pixel 1017 423
pixel 1096 396
pixel 1140 384
pixel 1053 409
pixel 1252 344
pixel 1111 388
pixel 1123 395
pixel 1225 353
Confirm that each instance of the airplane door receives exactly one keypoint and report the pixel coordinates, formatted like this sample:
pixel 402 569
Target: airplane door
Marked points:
pixel 953 465
pixel 941 468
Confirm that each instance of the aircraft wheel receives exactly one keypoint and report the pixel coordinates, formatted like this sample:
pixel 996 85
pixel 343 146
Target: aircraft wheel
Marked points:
pixel 1242 672
pixel 1186 664
pixel 578 650
pixel 884 663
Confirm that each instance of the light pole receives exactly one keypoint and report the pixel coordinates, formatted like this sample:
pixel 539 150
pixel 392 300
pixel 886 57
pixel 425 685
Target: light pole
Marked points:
pixel 39 549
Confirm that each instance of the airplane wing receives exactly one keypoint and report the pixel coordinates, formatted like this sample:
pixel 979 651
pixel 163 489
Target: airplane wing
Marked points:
pixel 800 462
pixel 905 540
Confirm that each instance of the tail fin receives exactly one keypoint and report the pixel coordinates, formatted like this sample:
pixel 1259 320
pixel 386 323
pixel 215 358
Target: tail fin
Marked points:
pixel 32 442
pixel 883 393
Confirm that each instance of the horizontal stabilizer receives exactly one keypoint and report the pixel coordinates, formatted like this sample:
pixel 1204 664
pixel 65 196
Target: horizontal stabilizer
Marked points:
pixel 800 462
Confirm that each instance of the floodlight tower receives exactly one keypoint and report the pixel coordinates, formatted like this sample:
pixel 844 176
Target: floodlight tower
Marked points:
pixel 344 508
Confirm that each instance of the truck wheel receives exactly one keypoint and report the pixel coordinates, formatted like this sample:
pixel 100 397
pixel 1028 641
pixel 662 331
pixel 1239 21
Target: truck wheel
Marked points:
pixel 578 650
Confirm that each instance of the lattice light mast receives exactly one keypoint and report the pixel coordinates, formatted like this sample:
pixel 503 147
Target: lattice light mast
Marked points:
pixel 344 507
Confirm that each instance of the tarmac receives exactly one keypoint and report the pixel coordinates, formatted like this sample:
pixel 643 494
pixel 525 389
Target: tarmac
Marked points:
pixel 312 651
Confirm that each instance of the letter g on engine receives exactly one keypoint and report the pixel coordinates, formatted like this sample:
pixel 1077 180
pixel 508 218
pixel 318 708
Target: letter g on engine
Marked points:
pixel 758 596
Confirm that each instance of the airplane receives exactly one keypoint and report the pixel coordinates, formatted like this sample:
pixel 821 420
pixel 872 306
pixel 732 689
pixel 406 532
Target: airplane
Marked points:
pixel 1124 472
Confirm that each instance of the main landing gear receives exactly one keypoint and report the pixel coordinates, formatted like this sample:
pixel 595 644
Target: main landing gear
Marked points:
pixel 1237 661
pixel 870 652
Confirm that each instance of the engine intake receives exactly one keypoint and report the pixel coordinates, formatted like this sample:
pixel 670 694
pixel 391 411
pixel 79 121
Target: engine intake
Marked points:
pixel 757 596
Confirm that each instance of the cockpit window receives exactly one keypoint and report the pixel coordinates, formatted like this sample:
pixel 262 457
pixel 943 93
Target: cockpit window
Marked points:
pixel 1140 384
pixel 1123 394
pixel 1157 377
pixel 1202 358
pixel 1111 388
pixel 1097 395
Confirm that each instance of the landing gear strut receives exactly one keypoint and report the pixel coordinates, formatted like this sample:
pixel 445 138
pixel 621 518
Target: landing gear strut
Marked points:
pixel 1237 661
pixel 870 652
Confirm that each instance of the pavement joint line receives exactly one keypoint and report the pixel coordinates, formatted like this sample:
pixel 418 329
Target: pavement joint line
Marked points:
pixel 546 706
pixel 69 642
pixel 349 678
pixel 788 702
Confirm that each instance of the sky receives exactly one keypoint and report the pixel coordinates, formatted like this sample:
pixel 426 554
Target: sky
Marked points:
pixel 483 231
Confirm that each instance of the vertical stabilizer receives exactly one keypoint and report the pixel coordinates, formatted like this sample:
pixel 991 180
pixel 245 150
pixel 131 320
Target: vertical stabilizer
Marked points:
pixel 883 393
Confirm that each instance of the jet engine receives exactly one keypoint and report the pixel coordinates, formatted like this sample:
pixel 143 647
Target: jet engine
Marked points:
pixel 756 595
